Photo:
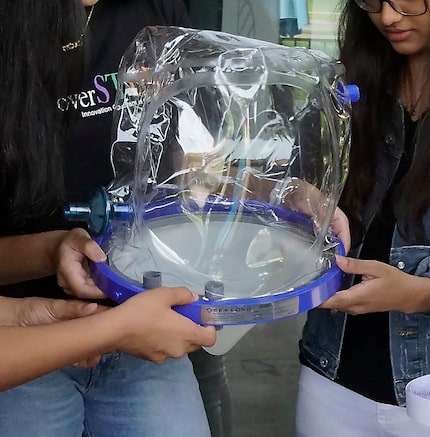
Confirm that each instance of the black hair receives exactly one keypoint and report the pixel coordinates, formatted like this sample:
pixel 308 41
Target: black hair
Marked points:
pixel 34 73
pixel 378 70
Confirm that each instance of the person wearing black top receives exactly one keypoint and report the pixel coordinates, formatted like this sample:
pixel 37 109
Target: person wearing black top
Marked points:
pixel 43 45
pixel 356 365
pixel 113 26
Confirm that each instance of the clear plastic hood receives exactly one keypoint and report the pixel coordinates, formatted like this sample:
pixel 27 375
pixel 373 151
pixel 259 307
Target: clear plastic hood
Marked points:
pixel 232 153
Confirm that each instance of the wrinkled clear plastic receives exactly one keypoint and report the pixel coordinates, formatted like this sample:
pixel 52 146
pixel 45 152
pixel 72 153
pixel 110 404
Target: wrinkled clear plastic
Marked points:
pixel 233 152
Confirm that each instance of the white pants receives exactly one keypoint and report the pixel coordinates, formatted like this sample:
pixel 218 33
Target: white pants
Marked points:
pixel 326 409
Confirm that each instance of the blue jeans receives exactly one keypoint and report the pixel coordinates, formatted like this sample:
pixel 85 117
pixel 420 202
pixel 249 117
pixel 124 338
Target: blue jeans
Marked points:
pixel 122 396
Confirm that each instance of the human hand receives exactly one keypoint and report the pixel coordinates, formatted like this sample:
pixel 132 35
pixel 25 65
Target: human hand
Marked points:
pixel 32 311
pixel 29 311
pixel 154 331
pixel 382 288
pixel 88 363
pixel 340 226
pixel 73 273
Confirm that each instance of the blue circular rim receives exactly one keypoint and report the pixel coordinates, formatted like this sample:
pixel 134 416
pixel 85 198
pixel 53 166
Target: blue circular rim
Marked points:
pixel 308 296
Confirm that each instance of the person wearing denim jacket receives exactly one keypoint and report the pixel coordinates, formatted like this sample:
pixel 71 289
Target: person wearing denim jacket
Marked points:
pixel 389 158
pixel 321 342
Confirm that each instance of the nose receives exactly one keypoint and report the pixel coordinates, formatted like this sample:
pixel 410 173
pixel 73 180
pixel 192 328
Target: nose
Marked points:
pixel 389 15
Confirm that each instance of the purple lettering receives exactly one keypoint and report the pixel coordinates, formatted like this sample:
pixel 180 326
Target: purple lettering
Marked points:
pixel 99 86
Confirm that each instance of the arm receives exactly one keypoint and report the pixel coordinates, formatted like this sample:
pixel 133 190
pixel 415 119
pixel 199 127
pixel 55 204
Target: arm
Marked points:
pixel 27 256
pixel 382 288
pixel 29 311
pixel 144 326
pixel 34 256
pixel 300 196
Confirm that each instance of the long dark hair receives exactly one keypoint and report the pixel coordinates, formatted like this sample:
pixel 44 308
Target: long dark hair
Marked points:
pixel 34 73
pixel 372 63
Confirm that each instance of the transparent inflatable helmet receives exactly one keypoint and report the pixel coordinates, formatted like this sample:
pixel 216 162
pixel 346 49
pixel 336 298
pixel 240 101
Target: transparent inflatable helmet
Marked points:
pixel 233 153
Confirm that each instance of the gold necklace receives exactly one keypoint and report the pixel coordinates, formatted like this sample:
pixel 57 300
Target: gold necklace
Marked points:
pixel 80 42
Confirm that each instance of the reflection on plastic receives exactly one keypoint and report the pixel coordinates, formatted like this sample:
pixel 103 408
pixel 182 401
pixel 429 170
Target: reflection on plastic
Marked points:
pixel 256 259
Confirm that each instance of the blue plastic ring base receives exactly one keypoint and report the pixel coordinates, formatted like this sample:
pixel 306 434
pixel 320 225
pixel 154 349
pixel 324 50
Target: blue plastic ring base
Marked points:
pixel 231 311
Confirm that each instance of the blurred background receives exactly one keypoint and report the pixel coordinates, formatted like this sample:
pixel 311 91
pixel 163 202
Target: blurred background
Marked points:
pixel 263 370
pixel 308 23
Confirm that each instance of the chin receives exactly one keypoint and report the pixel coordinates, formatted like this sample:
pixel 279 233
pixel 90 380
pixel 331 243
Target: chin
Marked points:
pixel 406 49
pixel 89 2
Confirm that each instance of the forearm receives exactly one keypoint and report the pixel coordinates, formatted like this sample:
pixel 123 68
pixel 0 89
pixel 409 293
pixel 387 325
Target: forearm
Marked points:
pixel 26 257
pixel 419 299
pixel 30 352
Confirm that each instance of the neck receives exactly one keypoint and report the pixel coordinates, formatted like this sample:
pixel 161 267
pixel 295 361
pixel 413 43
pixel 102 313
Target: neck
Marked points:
pixel 415 83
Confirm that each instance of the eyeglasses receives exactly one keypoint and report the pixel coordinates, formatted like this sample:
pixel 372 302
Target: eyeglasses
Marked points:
pixel 409 8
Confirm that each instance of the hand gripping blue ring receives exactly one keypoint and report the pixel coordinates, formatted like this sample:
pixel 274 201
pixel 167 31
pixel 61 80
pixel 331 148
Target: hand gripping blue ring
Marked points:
pixel 230 311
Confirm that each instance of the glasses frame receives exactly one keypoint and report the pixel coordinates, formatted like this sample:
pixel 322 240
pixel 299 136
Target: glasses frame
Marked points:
pixel 394 6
